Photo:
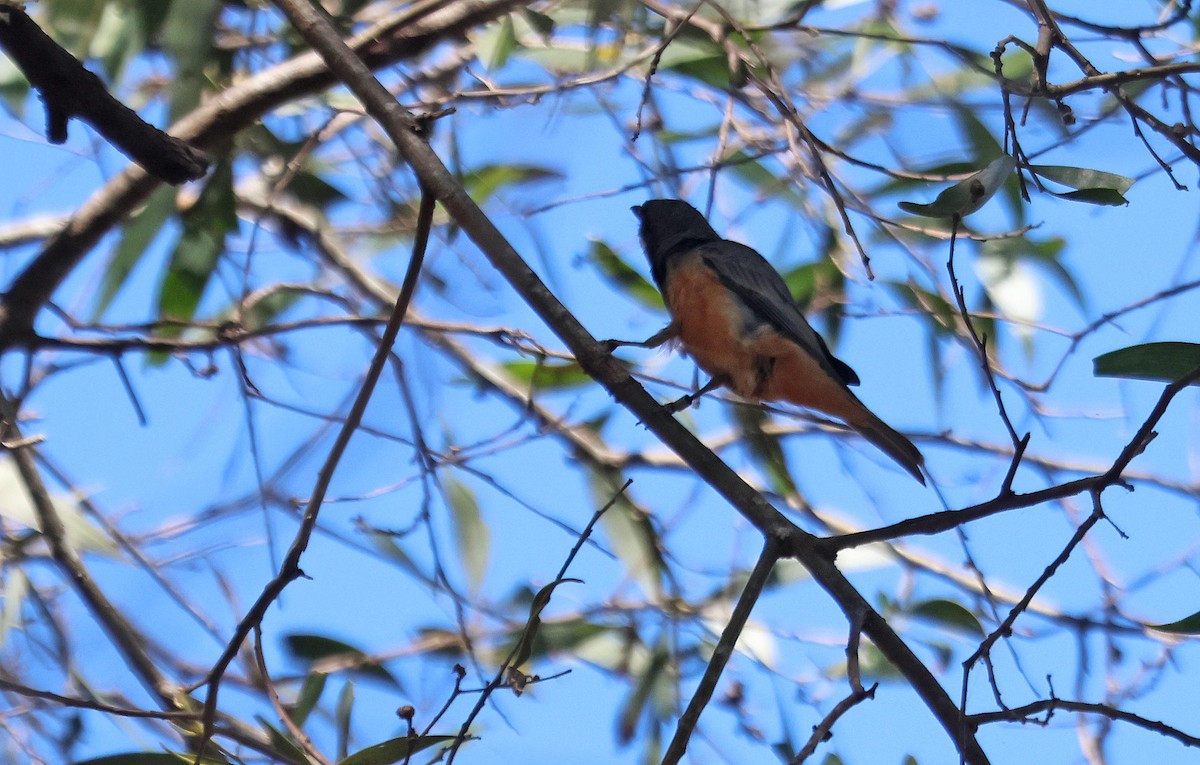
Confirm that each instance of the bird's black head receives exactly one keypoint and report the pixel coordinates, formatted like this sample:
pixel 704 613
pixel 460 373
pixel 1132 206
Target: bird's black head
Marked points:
pixel 671 227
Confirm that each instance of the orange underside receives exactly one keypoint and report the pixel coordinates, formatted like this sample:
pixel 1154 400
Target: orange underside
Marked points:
pixel 762 365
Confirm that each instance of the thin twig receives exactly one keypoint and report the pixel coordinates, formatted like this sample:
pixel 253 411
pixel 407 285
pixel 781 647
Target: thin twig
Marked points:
pixel 290 570
pixel 722 652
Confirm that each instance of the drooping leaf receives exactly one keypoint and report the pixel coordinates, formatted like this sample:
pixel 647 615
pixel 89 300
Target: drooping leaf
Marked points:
pixel 564 635
pixel 948 614
pixel 308 696
pixel 136 237
pixel 623 275
pixel 328 653
pixel 471 534
pixel 525 647
pixel 1166 361
pixel 496 43
pixel 772 459
pixel 969 194
pixel 194 259
pixel 282 745
pixel 637 703
pixel 394 750
pixel 698 57
pixel 188 35
pixel 1106 197
pixel 341 718
pixel 631 532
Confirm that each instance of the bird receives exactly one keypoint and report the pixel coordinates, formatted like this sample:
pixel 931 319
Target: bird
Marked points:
pixel 732 313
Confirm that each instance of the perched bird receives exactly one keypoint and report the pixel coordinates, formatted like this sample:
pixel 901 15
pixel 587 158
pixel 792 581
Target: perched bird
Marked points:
pixel 732 313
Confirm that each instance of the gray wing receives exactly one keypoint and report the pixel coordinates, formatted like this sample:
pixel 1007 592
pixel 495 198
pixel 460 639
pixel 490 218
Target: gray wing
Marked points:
pixel 762 289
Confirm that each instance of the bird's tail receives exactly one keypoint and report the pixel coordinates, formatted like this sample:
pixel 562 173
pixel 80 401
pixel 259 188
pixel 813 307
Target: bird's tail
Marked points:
pixel 892 443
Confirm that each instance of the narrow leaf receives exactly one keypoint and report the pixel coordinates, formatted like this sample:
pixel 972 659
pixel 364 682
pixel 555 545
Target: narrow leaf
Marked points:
pixel 393 750
pixel 205 227
pixel 1084 178
pixel 548 375
pixel 1188 625
pixel 968 195
pixel 529 634
pixel 470 532
pixel 624 276
pixel 318 650
pixel 136 237
pixel 1168 361
pixel 307 698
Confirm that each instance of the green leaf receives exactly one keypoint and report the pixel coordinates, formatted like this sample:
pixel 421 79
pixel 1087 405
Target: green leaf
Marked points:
pixel 320 650
pixel 1188 625
pixel 387 546
pixel 393 750
pixel 968 195
pixel 530 632
pixel 819 278
pixel 539 22
pixel 1168 361
pixel 341 718
pixel 631 532
pixel 188 35
pixel 637 703
pixel 483 182
pixel 281 744
pixel 624 276
pixel 1084 178
pixel 152 758
pixel 548 375
pixel 136 237
pixel 308 696
pixel 772 459
pixel 766 182
pixel 205 227
pixel 120 37
pixel 1106 197
pixel 496 43
pixel 948 614
pixel 699 58
pixel 564 636
pixel 75 23
pixel 471 534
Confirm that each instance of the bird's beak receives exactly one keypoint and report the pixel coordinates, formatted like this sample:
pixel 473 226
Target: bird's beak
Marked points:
pixel 636 210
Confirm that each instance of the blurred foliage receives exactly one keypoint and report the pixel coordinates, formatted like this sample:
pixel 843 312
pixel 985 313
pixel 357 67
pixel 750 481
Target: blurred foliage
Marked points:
pixel 838 118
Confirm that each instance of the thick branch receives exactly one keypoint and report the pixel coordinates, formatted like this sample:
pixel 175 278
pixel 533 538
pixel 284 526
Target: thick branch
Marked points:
pixel 393 39
pixel 69 90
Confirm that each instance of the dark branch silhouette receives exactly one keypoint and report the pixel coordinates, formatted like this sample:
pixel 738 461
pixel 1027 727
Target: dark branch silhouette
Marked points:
pixel 69 90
